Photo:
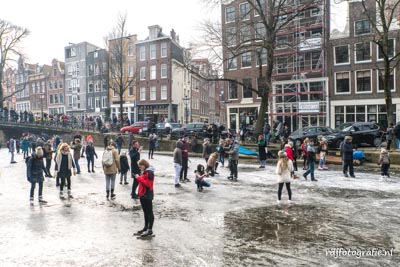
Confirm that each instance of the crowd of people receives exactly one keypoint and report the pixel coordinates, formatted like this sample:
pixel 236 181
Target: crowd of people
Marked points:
pixel 40 152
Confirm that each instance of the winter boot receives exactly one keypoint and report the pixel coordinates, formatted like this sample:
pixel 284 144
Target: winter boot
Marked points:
pixel 61 194
pixel 70 194
pixel 31 201
pixel 93 170
pixel 108 193
pixel 112 194
pixel 88 170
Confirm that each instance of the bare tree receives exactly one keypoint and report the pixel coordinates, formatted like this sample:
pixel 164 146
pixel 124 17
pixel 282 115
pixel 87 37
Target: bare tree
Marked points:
pixel 119 77
pixel 384 19
pixel 272 17
pixel 10 38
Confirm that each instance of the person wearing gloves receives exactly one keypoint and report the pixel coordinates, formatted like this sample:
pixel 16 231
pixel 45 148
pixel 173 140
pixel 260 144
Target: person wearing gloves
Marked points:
pixel 34 173
pixel 64 165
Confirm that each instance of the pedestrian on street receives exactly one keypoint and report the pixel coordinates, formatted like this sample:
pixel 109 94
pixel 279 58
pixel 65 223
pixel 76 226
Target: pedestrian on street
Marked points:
pixel 206 149
pixel 289 154
pixel 119 141
pixel 177 155
pixel 346 150
pixel 134 154
pixel 12 146
pixel 199 180
pixel 25 147
pixel 76 147
pixel 111 166
pixel 64 164
pixel 212 164
pixel 123 160
pixel 304 153
pixel 389 136
pixel 384 161
pixel 323 152
pixel 396 132
pixel 152 144
pixel 146 195
pixel 311 160
pixel 90 152
pixel 267 132
pixel 262 151
pixel 34 172
pixel 284 169
pixel 233 159
pixel 48 152
pixel 185 160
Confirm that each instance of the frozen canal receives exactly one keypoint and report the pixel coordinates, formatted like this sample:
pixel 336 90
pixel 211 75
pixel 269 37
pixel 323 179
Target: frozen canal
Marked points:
pixel 229 224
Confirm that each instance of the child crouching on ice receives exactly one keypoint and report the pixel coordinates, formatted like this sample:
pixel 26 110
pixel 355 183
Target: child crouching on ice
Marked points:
pixel 199 180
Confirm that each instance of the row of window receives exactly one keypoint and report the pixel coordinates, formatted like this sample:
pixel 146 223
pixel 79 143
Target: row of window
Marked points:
pixel 362 113
pixel 153 72
pixel 97 102
pixel 362 81
pixel 151 93
pixel 57 85
pixel 56 99
pixel 362 52
pixel 153 51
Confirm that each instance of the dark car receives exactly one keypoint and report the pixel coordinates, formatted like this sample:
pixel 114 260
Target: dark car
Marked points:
pixel 312 132
pixel 194 128
pixel 362 132
pixel 160 129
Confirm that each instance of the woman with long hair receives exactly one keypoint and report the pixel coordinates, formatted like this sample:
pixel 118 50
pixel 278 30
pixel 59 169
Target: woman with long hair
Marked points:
pixel 284 168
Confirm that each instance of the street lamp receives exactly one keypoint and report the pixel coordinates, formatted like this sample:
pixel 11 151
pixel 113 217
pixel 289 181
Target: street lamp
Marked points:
pixel 41 104
pixel 186 100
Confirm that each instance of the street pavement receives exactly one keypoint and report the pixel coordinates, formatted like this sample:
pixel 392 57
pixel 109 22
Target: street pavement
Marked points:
pixel 229 224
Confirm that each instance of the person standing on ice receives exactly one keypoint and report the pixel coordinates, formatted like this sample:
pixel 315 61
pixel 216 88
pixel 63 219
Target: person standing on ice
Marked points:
pixel 284 170
pixel 177 155
pixel 34 172
pixel 146 195
pixel 64 164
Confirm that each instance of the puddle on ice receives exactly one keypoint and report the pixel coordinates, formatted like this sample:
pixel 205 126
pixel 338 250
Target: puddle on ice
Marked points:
pixel 301 235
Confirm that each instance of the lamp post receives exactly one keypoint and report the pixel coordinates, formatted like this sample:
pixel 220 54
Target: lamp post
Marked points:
pixel 41 104
pixel 186 100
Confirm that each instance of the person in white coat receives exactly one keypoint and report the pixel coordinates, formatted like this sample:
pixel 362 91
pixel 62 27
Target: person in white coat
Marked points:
pixel 284 168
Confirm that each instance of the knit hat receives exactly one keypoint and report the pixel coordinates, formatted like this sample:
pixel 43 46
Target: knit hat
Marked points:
pixel 39 151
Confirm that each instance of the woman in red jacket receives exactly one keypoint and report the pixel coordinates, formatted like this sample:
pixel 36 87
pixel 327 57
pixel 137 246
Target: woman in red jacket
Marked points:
pixel 146 195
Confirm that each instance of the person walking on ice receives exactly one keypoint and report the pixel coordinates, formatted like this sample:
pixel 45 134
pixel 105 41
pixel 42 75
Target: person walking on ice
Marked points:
pixel 284 168
pixel 111 166
pixel 64 164
pixel 34 174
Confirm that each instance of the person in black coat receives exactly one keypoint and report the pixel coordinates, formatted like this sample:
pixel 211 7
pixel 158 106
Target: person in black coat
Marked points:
pixel 123 161
pixel 134 154
pixel 90 153
pixel 34 173
pixel 262 153
pixel 346 150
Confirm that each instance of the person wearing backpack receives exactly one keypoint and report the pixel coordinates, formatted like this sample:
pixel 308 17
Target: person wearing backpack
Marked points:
pixel 111 166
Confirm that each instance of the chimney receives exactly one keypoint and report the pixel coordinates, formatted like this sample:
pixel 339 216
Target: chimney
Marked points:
pixel 173 35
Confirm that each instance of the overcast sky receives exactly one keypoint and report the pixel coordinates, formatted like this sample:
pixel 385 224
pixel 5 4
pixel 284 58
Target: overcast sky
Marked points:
pixel 54 24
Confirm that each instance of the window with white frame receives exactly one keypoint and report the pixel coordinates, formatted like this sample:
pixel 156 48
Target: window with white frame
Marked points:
pixel 142 93
pixel 390 49
pixel 282 42
pixel 233 94
pixel 130 70
pixel 231 36
pixel 362 27
pixel 232 62
pixel 342 55
pixel 104 102
pixel 245 34
pixel 61 99
pixel 246 60
pixel 164 93
pixel 56 99
pixel 259 7
pixel 362 52
pixel 229 14
pixel 142 73
pixel 130 90
pixel 363 81
pixel 163 71
pixel 153 93
pixel 142 52
pixel 164 49
pixel 90 102
pixel 153 72
pixel 244 10
pixel 260 31
pixel 130 49
pixel 380 78
pixel 261 54
pixel 153 51
pixel 97 102
pixel 342 82
pixel 247 93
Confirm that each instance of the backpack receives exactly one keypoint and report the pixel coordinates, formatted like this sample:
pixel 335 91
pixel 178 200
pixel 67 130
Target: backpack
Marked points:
pixel 108 158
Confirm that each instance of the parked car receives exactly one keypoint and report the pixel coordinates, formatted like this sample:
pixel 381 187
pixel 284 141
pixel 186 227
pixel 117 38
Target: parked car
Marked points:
pixel 134 128
pixel 312 132
pixel 362 132
pixel 160 129
pixel 197 128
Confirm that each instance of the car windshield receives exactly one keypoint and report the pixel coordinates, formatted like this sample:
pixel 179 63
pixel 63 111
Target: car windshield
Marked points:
pixel 175 125
pixel 343 126
pixel 349 128
pixel 137 124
